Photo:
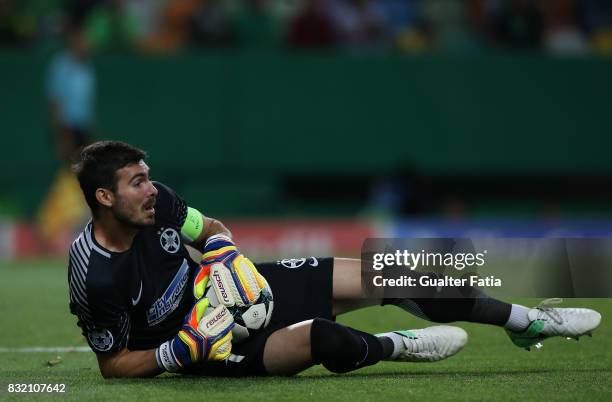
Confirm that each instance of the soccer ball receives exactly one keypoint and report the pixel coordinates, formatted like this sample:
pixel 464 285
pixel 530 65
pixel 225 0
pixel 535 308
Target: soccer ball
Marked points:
pixel 249 320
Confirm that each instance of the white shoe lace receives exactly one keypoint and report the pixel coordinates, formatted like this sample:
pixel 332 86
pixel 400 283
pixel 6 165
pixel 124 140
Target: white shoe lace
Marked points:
pixel 545 306
pixel 559 320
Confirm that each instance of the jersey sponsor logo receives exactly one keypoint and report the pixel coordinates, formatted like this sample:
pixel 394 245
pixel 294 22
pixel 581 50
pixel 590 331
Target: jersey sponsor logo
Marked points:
pixel 135 301
pixel 298 262
pixel 170 240
pixel 171 298
pixel 291 262
pixel 101 339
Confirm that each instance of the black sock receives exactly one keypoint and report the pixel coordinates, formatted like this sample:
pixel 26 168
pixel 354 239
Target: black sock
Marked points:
pixel 387 345
pixel 448 303
pixel 484 310
pixel 342 349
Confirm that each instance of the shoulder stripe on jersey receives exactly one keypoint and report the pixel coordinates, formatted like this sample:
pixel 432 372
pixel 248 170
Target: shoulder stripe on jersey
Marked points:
pixel 91 244
pixel 79 265
pixel 80 250
pixel 77 283
pixel 78 292
pixel 78 262
pixel 83 245
pixel 78 258
pixel 83 311
pixel 83 308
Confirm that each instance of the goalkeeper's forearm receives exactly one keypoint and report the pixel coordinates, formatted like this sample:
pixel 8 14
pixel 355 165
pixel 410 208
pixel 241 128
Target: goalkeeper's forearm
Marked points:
pixel 215 227
pixel 210 227
pixel 125 363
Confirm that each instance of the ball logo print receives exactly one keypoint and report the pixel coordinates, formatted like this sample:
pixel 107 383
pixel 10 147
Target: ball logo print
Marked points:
pixel 170 240
pixel 101 339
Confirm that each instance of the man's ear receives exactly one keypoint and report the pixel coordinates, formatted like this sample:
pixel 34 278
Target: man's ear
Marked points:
pixel 105 197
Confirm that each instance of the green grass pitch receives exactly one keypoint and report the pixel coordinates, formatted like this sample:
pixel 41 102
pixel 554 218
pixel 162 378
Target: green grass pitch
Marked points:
pixel 34 313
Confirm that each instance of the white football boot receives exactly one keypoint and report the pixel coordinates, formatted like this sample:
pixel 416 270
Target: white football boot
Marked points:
pixel 426 345
pixel 547 321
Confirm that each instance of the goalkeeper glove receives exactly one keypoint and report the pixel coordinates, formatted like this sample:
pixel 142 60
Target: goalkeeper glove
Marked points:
pixel 234 277
pixel 204 336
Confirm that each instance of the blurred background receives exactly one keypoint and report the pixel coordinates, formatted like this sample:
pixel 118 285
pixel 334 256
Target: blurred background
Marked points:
pixel 310 125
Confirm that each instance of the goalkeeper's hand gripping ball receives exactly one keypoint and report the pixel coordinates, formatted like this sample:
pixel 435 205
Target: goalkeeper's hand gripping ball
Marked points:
pixel 206 334
pixel 234 277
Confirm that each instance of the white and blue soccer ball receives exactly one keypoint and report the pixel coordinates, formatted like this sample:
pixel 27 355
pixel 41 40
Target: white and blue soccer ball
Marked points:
pixel 249 320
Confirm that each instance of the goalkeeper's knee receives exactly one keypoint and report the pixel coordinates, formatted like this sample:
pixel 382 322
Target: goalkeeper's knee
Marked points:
pixel 341 349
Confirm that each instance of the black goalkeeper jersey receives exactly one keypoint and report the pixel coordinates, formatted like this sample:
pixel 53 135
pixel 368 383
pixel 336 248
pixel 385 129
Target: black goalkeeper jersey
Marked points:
pixel 137 298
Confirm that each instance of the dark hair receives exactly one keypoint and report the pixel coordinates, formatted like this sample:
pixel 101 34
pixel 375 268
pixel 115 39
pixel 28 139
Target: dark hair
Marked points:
pixel 98 165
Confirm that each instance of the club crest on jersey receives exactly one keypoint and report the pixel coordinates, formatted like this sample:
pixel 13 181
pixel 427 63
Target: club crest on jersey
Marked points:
pixel 171 298
pixel 170 240
pixel 101 339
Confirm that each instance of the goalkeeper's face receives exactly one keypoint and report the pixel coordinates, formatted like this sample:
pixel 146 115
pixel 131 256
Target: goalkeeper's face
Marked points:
pixel 134 198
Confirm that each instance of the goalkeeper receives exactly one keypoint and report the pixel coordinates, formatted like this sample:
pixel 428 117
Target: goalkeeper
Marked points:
pixel 138 296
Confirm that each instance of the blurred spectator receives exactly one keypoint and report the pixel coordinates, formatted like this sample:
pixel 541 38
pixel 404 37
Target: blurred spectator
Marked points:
pixel 212 25
pixel 142 16
pixel 71 85
pixel 449 24
pixel 404 27
pixel 13 23
pixel 358 23
pixel 174 28
pixel 562 34
pixel 24 21
pixel 109 26
pixel 257 26
pixel 597 19
pixel 312 27
pixel 517 23
pixel 557 26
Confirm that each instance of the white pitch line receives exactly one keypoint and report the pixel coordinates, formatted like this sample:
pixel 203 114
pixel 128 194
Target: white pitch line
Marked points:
pixel 53 349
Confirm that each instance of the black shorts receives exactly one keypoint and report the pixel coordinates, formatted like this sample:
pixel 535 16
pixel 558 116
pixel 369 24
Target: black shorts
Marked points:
pixel 302 289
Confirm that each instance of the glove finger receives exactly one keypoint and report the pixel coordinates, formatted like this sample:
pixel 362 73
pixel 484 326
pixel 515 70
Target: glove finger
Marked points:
pixel 192 341
pixel 246 274
pixel 197 312
pixel 221 349
pixel 217 322
pixel 200 281
pixel 253 270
